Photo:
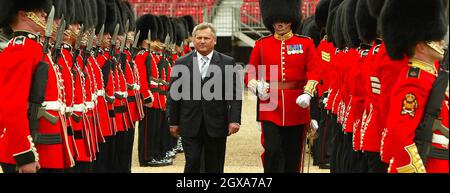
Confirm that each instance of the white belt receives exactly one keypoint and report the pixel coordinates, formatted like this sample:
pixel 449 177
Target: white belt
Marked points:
pixel 137 87
pixel 101 93
pixel 79 108
pixel 53 106
pixel 89 105
pixel 94 97
pixel 440 139
pixel 154 83
pixel 124 94
pixel 69 109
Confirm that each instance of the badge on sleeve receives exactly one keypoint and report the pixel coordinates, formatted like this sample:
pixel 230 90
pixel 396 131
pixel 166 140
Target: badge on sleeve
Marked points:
pixel 295 49
pixel 409 105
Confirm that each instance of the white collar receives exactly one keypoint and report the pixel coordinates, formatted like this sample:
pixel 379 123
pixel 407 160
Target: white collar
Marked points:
pixel 209 56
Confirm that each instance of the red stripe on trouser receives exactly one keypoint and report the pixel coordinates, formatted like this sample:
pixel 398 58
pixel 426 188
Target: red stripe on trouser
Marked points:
pixel 302 148
pixel 262 142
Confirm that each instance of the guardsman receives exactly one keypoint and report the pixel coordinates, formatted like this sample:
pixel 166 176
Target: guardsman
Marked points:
pixel 60 55
pixel 367 30
pixel 293 59
pixel 28 143
pixel 148 73
pixel 417 127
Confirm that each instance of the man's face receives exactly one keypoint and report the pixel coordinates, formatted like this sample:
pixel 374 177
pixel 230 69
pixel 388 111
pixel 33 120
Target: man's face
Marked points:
pixel 130 38
pixel 42 16
pixel 70 35
pixel 106 42
pixel 433 53
pixel 204 41
pixel 281 28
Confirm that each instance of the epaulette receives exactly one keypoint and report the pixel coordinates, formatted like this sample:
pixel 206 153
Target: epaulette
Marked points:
pixel 303 36
pixel 19 40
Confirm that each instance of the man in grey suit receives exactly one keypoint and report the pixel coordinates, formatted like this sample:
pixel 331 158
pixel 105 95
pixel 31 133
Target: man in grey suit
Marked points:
pixel 205 102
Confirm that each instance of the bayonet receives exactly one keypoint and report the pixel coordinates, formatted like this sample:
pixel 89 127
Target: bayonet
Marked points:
pixel 50 19
pixel 91 40
pixel 136 39
pixel 116 33
pixel 60 33
pixel 79 37
pixel 48 30
pixel 134 47
pixel 124 41
pixel 99 40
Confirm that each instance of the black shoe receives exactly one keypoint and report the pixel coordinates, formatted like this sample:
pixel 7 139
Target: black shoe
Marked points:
pixel 324 166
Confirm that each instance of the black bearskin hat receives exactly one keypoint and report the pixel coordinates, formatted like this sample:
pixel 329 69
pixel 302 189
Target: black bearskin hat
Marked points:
pixel 273 11
pixel 144 23
pixel 349 24
pixel 321 14
pixel 365 23
pixel 402 27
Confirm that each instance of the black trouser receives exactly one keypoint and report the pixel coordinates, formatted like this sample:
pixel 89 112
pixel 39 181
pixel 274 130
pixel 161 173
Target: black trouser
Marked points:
pixel 374 163
pixel 124 151
pixel 167 141
pixel 148 128
pixel 81 167
pixel 104 162
pixel 351 159
pixel 11 169
pixel 334 143
pixel 213 150
pixel 325 127
pixel 283 148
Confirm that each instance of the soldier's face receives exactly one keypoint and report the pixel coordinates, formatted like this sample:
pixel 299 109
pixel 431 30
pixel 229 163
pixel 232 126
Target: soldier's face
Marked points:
pixel 281 28
pixel 130 38
pixel 106 42
pixel 204 41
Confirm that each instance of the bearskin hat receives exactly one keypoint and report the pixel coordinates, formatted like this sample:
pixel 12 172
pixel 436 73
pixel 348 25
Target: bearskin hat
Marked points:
pixel 144 23
pixel 321 14
pixel 349 29
pixel 365 23
pixel 273 11
pixel 402 27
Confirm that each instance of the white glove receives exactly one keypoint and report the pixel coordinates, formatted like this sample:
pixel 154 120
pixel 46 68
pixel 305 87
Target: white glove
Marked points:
pixel 303 100
pixel 252 84
pixel 325 101
pixel 263 89
pixel 314 125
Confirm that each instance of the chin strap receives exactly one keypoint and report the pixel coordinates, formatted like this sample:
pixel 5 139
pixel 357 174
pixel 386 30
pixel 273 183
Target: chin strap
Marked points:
pixel 436 47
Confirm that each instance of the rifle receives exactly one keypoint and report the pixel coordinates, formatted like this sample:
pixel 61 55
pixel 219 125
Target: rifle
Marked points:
pixel 109 64
pixel 39 84
pixel 430 121
pixel 57 48
pixel 87 51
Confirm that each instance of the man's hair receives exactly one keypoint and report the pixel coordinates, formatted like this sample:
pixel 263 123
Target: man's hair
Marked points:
pixel 204 26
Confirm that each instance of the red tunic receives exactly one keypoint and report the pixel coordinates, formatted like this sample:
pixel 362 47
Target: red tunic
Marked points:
pixel 290 60
pixel 408 102
pixel 19 62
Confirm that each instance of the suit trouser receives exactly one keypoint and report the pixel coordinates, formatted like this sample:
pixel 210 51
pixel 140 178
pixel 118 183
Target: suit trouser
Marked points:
pixel 212 148
pixel 283 148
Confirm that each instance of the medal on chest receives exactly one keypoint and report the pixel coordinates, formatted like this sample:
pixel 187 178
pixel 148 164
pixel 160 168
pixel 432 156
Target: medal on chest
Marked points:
pixel 294 49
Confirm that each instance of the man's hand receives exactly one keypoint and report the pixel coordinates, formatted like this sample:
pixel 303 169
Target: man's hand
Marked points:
pixel 175 130
pixel 32 167
pixel 233 128
pixel 303 100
